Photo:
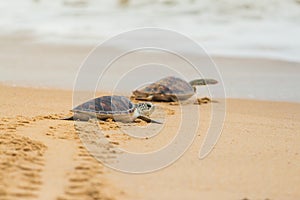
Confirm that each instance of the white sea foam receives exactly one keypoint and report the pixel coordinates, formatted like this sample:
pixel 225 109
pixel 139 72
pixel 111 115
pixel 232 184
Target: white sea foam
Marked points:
pixel 265 28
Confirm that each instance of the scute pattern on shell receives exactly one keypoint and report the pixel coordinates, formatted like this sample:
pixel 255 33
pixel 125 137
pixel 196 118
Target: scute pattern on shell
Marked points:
pixel 169 85
pixel 107 105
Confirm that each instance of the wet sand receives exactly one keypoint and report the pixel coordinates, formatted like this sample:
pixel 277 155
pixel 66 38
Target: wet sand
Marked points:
pixel 256 157
pixel 25 61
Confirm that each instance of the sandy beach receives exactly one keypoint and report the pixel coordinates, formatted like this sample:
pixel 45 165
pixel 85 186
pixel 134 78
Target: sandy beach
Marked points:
pixel 42 157
pixel 257 156
pixel 54 55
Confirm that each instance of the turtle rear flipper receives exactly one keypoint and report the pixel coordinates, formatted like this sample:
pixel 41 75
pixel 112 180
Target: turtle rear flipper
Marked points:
pixel 148 120
pixel 203 82
pixel 68 118
pixel 78 116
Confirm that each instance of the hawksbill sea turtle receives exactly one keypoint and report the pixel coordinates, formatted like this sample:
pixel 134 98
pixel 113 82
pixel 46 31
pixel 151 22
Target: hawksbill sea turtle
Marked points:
pixel 170 89
pixel 118 108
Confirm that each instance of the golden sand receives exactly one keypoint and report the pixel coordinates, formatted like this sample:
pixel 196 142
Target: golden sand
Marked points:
pixel 256 157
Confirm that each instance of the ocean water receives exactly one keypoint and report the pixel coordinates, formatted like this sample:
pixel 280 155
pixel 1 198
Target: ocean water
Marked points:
pixel 248 28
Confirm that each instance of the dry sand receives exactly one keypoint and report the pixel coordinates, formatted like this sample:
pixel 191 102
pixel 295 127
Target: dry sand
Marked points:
pixel 257 156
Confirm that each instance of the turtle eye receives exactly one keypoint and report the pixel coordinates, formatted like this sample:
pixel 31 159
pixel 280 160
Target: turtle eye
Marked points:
pixel 149 105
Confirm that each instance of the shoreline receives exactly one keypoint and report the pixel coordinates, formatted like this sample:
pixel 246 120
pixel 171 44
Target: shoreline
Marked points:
pixel 55 66
pixel 14 85
pixel 31 39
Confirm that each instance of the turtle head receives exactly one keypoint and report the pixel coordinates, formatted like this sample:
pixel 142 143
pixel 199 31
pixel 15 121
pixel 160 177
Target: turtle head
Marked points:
pixel 203 82
pixel 145 109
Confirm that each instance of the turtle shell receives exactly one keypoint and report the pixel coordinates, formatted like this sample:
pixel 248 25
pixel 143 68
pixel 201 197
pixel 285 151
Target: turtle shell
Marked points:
pixel 169 86
pixel 107 105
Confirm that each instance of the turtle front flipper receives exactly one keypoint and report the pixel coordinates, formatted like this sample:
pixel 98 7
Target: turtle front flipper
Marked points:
pixel 203 82
pixel 148 120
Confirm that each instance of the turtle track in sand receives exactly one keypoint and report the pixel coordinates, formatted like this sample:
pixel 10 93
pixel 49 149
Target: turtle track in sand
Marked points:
pixel 31 169
pixel 85 181
pixel 21 162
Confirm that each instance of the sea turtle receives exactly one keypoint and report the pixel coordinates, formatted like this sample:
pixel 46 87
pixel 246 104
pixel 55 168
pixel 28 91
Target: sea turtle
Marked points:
pixel 170 89
pixel 118 108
